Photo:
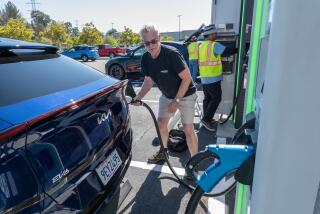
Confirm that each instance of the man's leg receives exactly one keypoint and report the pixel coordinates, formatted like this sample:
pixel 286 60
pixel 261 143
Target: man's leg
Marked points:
pixel 187 108
pixel 163 119
pixel 213 92
pixel 206 99
pixel 211 102
pixel 163 127
pixel 192 138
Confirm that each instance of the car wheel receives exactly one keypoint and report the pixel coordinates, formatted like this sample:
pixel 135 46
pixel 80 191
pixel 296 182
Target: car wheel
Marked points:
pixel 93 59
pixel 111 55
pixel 116 71
pixel 84 58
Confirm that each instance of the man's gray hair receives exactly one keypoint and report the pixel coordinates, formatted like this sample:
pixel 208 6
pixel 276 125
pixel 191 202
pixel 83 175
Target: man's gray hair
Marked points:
pixel 148 28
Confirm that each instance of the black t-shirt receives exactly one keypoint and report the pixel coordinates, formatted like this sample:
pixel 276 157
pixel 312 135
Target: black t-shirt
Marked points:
pixel 164 71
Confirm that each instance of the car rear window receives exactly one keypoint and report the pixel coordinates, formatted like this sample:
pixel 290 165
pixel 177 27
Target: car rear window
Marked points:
pixel 92 48
pixel 28 75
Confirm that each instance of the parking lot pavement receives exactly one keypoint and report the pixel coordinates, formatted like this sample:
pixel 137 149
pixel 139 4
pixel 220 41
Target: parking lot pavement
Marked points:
pixel 98 64
pixel 154 189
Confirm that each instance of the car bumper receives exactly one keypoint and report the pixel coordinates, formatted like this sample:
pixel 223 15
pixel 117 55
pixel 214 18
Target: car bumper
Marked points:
pixel 110 203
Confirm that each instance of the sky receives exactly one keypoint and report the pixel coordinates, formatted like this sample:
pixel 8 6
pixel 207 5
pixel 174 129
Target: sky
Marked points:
pixel 133 14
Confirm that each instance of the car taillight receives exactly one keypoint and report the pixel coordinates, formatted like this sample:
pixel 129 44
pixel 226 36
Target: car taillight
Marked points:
pixel 5 135
pixel 12 132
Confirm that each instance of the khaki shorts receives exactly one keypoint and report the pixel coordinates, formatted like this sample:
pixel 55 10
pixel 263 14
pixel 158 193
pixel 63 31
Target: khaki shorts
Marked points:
pixel 186 107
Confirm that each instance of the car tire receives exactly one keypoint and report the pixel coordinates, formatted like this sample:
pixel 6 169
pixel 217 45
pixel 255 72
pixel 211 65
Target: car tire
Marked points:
pixel 93 59
pixel 111 55
pixel 116 71
pixel 84 58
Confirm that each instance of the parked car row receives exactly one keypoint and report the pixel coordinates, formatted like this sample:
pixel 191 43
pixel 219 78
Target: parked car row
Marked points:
pixel 82 52
pixel 109 51
pixel 65 135
pixel 85 53
pixel 129 65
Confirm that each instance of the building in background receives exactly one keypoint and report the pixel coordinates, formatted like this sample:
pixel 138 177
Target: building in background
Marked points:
pixel 175 35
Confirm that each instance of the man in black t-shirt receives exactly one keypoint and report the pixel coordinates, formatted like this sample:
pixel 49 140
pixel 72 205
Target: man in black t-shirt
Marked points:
pixel 165 66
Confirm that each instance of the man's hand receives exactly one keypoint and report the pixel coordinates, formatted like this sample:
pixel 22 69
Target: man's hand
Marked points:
pixel 173 106
pixel 136 101
pixel 146 86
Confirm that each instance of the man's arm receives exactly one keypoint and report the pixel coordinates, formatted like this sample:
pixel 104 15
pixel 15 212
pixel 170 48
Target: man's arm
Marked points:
pixel 146 86
pixel 186 80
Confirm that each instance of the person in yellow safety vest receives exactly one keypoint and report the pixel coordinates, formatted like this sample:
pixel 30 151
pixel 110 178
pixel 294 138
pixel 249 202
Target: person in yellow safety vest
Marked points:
pixel 210 68
pixel 193 57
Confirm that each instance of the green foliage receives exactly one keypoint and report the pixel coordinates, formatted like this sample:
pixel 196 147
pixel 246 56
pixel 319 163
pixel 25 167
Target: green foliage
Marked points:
pixel 39 21
pixel 44 40
pixel 90 35
pixel 16 29
pixel 10 11
pixel 73 31
pixel 111 32
pixel 57 33
pixel 166 38
pixel 128 37
pixel 110 40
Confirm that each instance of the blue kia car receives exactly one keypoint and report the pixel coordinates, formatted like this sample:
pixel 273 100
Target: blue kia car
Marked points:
pixel 82 52
pixel 65 135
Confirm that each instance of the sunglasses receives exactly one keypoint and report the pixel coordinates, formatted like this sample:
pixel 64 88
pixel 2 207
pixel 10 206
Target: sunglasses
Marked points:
pixel 147 43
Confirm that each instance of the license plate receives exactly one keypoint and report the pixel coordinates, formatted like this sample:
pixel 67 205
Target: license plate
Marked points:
pixel 108 167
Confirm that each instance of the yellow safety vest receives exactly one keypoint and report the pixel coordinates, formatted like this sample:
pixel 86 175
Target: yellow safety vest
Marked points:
pixel 193 50
pixel 209 64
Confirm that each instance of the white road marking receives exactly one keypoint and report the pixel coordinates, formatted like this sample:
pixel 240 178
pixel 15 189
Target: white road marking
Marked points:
pixel 151 101
pixel 215 206
pixel 157 168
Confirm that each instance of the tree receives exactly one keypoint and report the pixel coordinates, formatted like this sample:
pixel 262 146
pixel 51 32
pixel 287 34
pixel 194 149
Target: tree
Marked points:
pixel 68 26
pixel 110 40
pixel 111 32
pixel 57 33
pixel 90 35
pixel 16 29
pixel 10 11
pixel 128 37
pixel 166 38
pixel 39 21
pixel 73 31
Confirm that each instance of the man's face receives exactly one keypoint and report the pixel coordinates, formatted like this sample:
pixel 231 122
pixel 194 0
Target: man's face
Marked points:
pixel 212 37
pixel 152 43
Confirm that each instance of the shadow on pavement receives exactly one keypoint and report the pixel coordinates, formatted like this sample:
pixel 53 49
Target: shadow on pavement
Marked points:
pixel 156 201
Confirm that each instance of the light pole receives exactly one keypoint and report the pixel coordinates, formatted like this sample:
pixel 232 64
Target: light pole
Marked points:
pixel 179 25
pixel 112 29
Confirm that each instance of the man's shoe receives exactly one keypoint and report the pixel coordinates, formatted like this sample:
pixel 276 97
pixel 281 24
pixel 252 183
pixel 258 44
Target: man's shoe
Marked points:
pixel 158 157
pixel 210 126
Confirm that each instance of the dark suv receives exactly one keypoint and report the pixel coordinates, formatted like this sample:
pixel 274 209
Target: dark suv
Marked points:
pixel 129 65
pixel 65 136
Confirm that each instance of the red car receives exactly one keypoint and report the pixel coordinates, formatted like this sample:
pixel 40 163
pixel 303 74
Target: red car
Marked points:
pixel 107 50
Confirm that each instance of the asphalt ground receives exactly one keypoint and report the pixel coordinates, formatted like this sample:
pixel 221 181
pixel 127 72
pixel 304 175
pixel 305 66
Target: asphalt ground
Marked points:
pixel 154 188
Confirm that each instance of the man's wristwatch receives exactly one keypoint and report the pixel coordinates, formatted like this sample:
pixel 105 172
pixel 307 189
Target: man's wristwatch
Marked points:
pixel 176 99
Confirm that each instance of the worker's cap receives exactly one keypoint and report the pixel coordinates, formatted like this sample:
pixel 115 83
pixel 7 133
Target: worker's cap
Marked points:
pixel 210 29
